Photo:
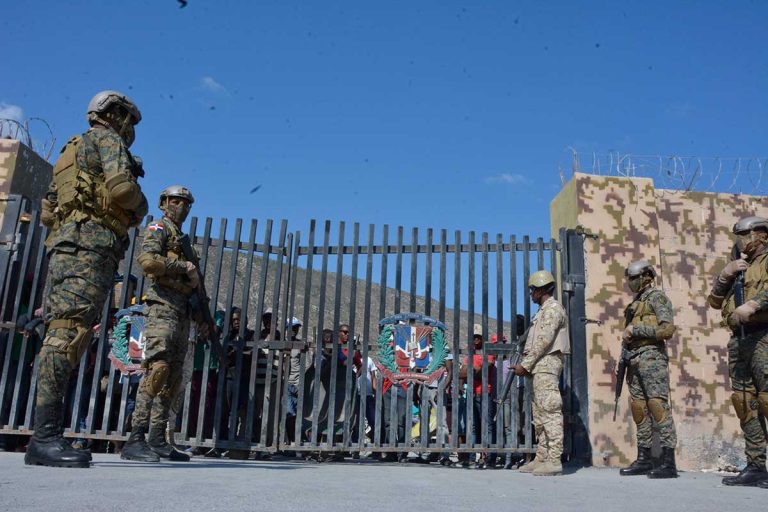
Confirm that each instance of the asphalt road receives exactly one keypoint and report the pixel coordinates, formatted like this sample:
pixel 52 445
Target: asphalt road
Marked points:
pixel 205 485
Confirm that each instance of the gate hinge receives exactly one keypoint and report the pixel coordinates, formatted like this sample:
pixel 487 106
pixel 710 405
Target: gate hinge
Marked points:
pixel 586 234
pixel 571 280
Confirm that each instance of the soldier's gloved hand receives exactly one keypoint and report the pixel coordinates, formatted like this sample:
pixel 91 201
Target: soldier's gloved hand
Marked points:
pixel 742 314
pixel 733 268
pixel 627 334
pixel 194 278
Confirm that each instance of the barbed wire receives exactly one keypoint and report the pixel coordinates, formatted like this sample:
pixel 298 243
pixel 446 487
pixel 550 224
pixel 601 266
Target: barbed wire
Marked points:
pixel 14 129
pixel 737 174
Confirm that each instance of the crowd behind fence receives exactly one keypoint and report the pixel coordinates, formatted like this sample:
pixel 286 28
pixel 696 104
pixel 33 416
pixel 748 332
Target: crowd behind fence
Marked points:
pixel 299 322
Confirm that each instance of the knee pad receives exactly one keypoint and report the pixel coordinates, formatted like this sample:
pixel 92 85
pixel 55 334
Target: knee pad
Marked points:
pixel 638 410
pixel 762 402
pixel 744 405
pixel 157 377
pixel 659 408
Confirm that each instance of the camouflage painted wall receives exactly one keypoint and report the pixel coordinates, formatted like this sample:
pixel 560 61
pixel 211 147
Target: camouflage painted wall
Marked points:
pixel 23 172
pixel 686 235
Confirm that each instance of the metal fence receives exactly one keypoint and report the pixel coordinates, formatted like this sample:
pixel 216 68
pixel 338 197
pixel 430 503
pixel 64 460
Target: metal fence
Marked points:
pixel 300 393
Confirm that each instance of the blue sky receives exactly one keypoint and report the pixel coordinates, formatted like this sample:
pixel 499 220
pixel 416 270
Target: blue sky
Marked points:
pixel 444 114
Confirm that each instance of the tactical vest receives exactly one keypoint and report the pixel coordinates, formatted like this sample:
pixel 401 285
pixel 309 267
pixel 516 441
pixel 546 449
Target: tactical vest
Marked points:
pixel 82 195
pixel 641 312
pixel 174 252
pixel 561 343
pixel 755 282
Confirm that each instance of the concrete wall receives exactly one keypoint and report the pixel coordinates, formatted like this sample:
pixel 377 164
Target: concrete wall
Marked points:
pixel 23 172
pixel 686 235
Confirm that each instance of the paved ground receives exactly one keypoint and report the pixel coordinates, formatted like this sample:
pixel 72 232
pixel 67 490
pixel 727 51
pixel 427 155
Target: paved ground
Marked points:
pixel 203 484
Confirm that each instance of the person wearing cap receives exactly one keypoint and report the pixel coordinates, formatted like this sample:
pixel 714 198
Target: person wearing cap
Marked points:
pixel 647 327
pixel 748 346
pixel 543 360
pixel 293 326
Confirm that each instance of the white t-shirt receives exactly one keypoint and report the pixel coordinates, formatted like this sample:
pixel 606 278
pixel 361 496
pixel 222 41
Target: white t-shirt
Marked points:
pixel 370 369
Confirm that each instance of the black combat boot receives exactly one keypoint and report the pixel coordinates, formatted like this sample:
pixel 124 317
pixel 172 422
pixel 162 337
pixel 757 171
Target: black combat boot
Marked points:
pixel 163 448
pixel 750 476
pixel 136 448
pixel 48 447
pixel 641 466
pixel 668 468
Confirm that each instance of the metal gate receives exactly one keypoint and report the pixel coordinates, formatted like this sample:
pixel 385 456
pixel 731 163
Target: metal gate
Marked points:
pixel 303 392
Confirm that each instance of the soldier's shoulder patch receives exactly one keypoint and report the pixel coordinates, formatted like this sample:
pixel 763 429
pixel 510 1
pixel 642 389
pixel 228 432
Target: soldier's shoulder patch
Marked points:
pixel 156 226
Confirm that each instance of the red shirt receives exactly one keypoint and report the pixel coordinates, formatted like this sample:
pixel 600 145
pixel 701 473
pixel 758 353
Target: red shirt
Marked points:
pixel 477 364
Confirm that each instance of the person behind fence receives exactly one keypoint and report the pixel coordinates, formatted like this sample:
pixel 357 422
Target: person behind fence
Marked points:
pixel 478 419
pixel 546 344
pixel 294 371
pixel 93 200
pixel 648 325
pixel 739 290
pixel 172 280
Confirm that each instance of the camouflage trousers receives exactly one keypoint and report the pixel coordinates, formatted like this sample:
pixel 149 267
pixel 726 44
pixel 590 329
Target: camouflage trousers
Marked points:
pixel 547 407
pixel 167 338
pixel 78 285
pixel 748 370
pixel 648 379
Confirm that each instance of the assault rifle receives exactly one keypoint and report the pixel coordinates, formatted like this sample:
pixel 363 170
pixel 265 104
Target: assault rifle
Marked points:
pixel 621 373
pixel 199 302
pixel 738 297
pixel 517 356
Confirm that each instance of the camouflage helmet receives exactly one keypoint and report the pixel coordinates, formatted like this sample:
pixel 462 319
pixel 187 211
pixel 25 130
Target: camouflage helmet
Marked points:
pixel 105 99
pixel 748 224
pixel 540 279
pixel 176 191
pixel 639 267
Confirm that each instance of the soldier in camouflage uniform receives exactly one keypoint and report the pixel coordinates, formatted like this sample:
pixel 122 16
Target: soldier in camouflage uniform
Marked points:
pixel 172 280
pixel 748 346
pixel 93 200
pixel 543 359
pixel 649 324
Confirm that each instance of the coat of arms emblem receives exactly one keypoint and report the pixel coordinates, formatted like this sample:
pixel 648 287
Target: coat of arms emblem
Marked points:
pixel 412 349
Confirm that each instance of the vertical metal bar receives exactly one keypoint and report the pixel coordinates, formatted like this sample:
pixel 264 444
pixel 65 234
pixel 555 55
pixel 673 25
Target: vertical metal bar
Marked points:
pixel 331 423
pixel 187 388
pixel 428 276
pixel 226 335
pixel 366 335
pixel 320 327
pixel 382 315
pixel 284 370
pixel 206 246
pixel 33 236
pixel 540 253
pixel 305 321
pixel 470 339
pixel 112 372
pixel 349 383
pixel 456 337
pixel 268 407
pixel 33 300
pixel 266 250
pixel 383 281
pixel 501 360
pixel 414 263
pixel 485 417
pixel 41 271
pixel 527 396
pixel 399 270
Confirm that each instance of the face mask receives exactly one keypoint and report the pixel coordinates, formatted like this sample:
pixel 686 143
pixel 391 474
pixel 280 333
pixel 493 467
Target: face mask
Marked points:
pixel 177 213
pixel 127 132
pixel 635 283
pixel 751 243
